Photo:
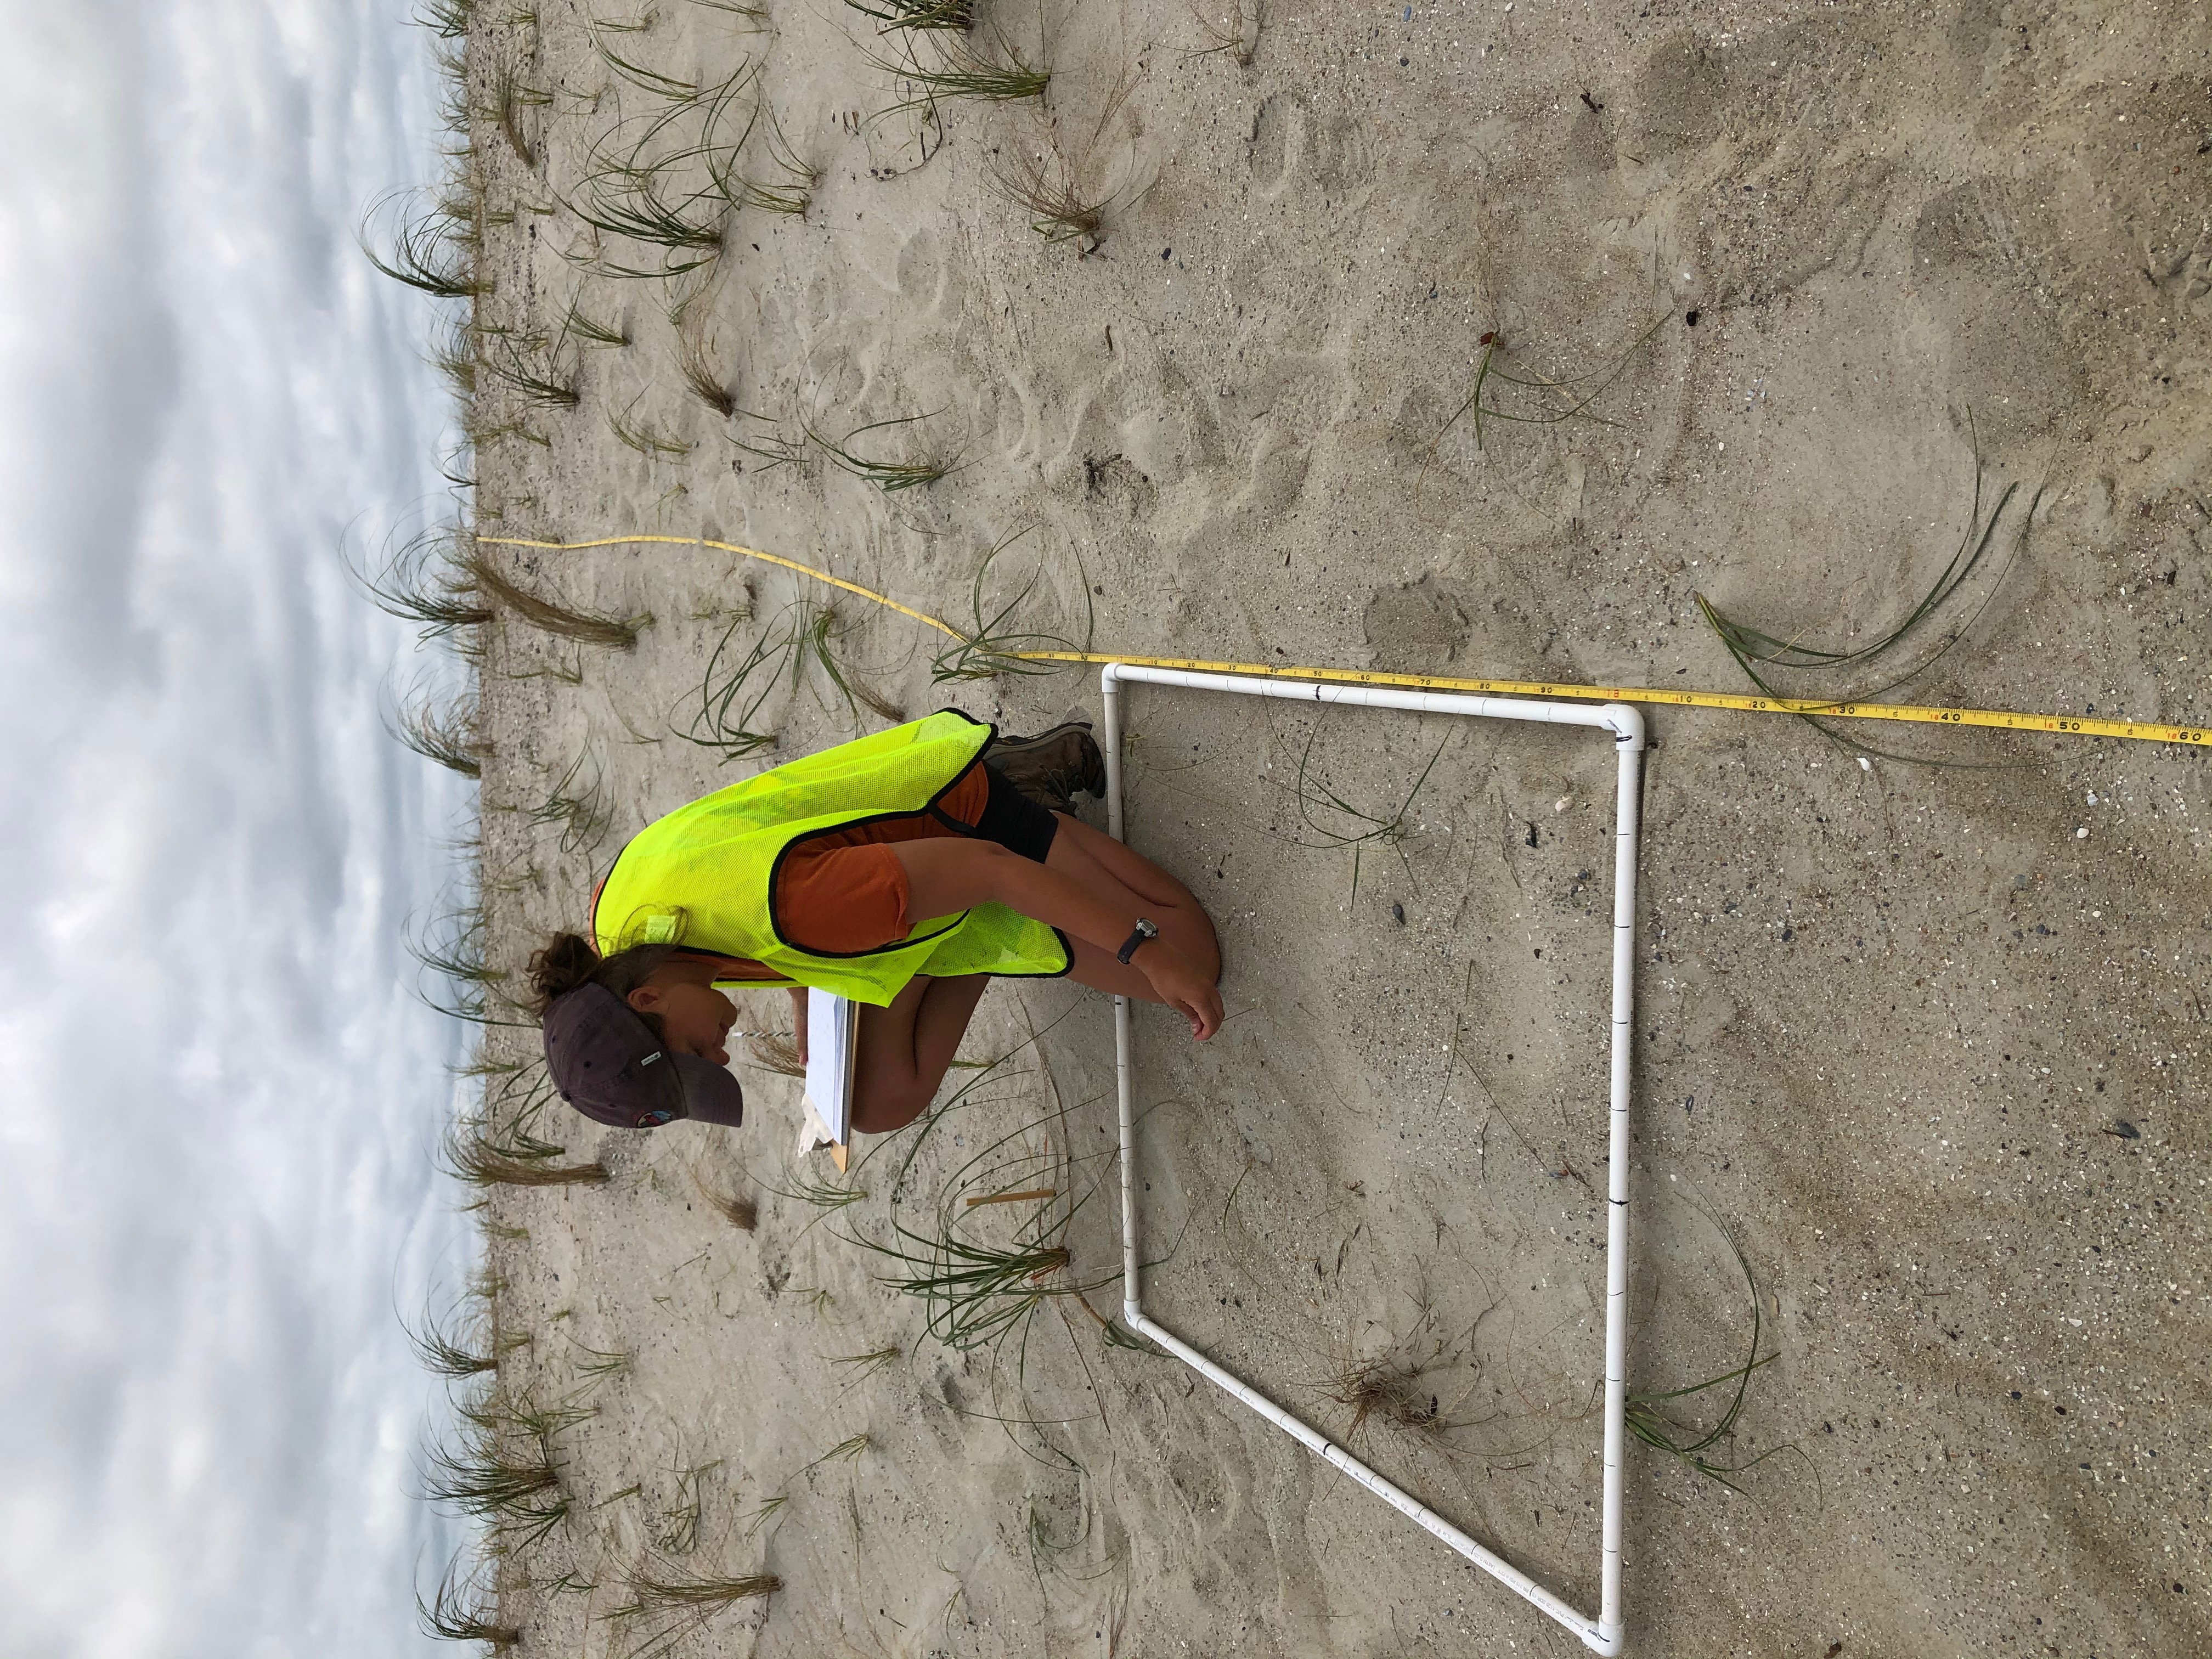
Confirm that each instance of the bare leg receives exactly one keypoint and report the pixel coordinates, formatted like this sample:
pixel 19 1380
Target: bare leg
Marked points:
pixel 905 1049
pixel 1106 867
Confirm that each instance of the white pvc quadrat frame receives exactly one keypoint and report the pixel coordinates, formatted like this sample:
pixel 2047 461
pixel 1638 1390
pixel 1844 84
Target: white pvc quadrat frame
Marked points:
pixel 1625 723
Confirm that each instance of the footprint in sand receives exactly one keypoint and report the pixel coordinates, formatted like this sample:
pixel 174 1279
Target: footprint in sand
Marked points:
pixel 927 279
pixel 1276 479
pixel 2006 356
pixel 1416 627
pixel 1293 143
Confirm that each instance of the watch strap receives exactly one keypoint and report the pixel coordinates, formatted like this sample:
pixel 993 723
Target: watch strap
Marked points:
pixel 1146 929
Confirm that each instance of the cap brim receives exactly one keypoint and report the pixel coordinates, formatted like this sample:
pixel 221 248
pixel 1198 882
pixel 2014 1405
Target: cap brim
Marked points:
pixel 711 1095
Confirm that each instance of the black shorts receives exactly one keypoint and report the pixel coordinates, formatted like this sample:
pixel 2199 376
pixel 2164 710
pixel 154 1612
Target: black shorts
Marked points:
pixel 1014 821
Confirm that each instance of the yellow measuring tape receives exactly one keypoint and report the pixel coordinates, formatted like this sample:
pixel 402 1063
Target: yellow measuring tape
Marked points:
pixel 2003 718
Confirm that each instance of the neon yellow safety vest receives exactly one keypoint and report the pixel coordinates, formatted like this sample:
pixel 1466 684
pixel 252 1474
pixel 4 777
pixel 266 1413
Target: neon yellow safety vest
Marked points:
pixel 703 876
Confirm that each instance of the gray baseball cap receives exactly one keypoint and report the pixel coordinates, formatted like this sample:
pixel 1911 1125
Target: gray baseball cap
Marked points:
pixel 607 1063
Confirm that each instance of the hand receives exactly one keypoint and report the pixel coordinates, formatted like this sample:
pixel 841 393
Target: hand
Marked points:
pixel 799 1021
pixel 1181 986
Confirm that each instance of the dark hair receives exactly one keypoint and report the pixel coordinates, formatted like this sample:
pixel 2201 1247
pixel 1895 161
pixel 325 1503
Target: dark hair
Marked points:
pixel 568 961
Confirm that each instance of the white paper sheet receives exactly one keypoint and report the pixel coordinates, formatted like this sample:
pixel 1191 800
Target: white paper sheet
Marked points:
pixel 833 1028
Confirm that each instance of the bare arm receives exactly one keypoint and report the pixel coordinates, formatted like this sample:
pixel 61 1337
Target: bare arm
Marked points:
pixel 946 876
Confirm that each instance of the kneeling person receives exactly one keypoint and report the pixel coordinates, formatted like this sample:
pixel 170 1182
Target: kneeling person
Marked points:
pixel 901 869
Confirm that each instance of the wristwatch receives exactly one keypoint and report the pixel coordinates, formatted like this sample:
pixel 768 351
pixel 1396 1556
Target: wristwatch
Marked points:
pixel 1146 929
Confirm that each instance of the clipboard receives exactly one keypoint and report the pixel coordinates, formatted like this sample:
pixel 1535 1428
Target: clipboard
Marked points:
pixel 833 1047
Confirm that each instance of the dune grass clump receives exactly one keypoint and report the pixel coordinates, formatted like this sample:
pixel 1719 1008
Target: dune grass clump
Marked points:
pixel 917 14
pixel 843 1451
pixel 637 204
pixel 1760 654
pixel 963 71
pixel 735 1208
pixel 1335 823
pixel 765 1511
pixel 772 1051
pixel 642 182
pixel 511 96
pixel 448 732
pixel 452 947
pixel 782 656
pixel 472 1157
pixel 820 646
pixel 1237 34
pixel 1061 205
pixel 676 1530
pixel 995 644
pixel 973 1291
pixel 434 246
pixel 734 694
pixel 482 1064
pixel 453 355
pixel 980 1272
pixel 515 1141
pixel 464 1609
pixel 694 367
pixel 575 325
pixel 860 1367
pixel 773 447
pixel 579 808
pixel 447 19
pixel 929 465
pixel 1387 1388
pixel 795 195
pixel 482 431
pixel 510 1483
pixel 676 93
pixel 498 1411
pixel 1396 1386
pixel 461 1348
pixel 816 1192
pixel 1061 192
pixel 597 1365
pixel 514 1099
pixel 452 589
pixel 533 369
pixel 1689 1445
pixel 552 616
pixel 1540 400
pixel 674 1603
pixel 643 439
pixel 430 582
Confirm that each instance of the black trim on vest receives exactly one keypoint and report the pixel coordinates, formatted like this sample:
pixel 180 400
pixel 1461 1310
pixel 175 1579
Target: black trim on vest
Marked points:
pixel 931 808
pixel 939 813
pixel 1065 950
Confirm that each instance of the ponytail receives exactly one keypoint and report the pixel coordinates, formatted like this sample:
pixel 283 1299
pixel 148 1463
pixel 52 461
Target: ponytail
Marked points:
pixel 568 961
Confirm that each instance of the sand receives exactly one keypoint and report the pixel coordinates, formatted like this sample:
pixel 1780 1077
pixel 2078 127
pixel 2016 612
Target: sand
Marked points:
pixel 1927 1041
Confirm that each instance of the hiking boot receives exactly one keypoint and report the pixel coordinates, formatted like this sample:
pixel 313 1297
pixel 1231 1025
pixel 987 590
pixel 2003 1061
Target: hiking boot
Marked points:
pixel 1052 767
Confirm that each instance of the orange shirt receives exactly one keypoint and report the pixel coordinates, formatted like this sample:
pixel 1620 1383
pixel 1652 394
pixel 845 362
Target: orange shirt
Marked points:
pixel 844 891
